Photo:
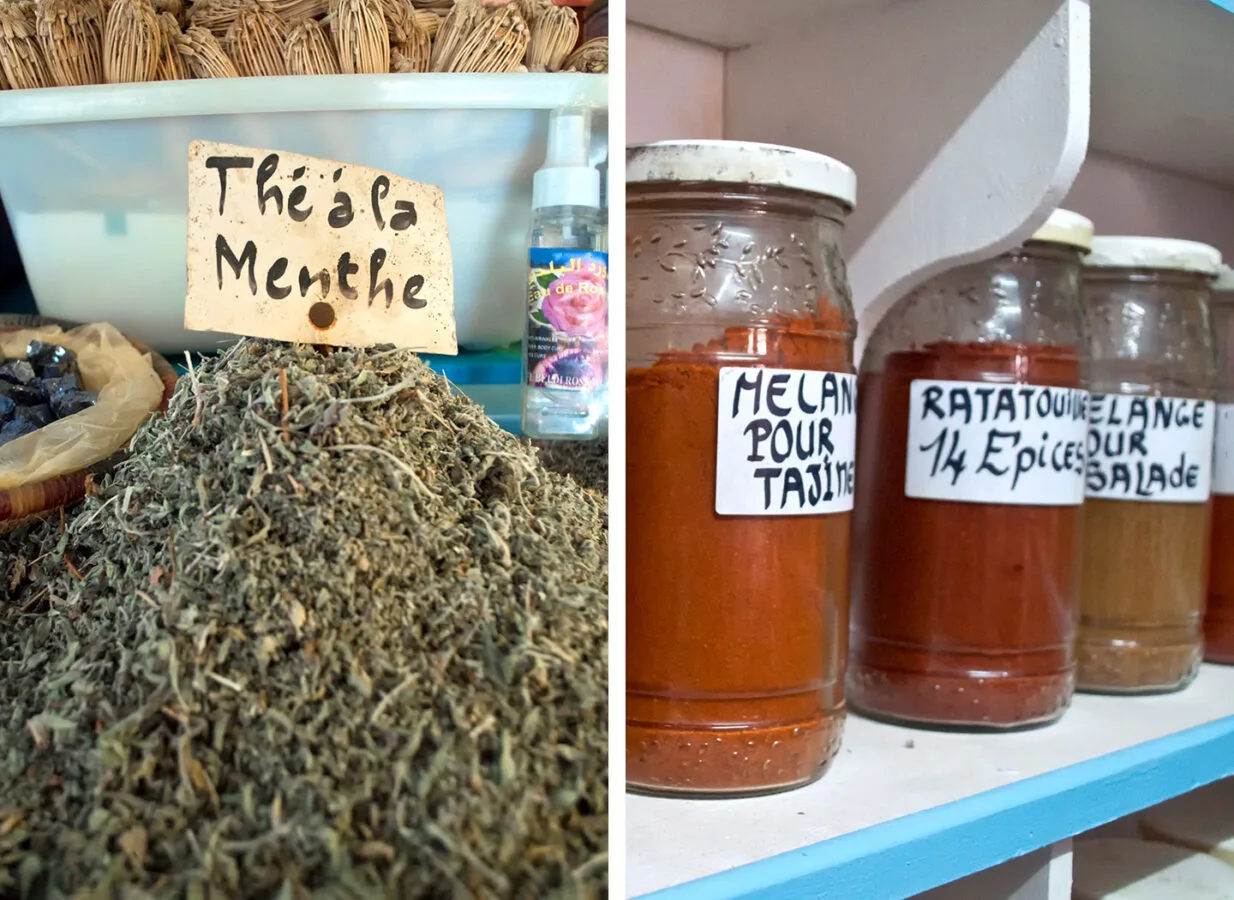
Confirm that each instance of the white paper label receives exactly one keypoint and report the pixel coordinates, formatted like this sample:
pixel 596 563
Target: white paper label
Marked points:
pixel 1223 453
pixel 981 442
pixel 786 442
pixel 1150 448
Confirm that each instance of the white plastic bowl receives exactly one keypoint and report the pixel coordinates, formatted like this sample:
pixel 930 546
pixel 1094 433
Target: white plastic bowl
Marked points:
pixel 95 181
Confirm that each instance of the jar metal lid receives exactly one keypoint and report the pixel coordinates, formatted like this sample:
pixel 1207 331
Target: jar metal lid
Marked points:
pixel 1153 253
pixel 1225 281
pixel 1066 227
pixel 741 162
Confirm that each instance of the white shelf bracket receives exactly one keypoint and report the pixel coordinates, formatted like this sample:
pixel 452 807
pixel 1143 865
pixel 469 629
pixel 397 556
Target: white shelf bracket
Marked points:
pixel 966 121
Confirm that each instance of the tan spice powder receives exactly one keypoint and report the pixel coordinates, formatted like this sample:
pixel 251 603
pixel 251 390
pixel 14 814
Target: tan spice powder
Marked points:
pixel 1145 574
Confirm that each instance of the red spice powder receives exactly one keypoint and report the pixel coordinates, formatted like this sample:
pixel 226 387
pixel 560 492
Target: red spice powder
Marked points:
pixel 1219 620
pixel 736 626
pixel 964 613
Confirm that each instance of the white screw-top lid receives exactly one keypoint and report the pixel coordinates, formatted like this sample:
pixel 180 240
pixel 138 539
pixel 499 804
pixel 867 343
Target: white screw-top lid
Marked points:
pixel 1066 227
pixel 742 162
pixel 1153 253
pixel 1225 281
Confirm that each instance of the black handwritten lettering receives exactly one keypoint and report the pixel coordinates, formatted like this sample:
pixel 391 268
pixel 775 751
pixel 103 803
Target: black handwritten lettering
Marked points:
pixel 274 290
pixel 248 257
pixel 411 293
pixel 223 163
pixel 265 172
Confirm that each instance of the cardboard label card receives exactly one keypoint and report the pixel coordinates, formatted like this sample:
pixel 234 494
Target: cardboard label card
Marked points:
pixel 294 248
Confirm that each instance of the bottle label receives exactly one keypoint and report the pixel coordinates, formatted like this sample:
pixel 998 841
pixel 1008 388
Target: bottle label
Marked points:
pixel 786 442
pixel 567 302
pixel 1150 448
pixel 1223 453
pixel 982 442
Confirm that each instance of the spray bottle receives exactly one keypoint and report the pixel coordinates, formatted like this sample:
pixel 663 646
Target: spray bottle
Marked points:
pixel 565 336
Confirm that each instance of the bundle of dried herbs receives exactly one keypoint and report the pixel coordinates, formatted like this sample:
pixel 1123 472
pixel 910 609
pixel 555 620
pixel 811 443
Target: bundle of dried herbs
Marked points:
pixel 255 40
pixel 590 57
pixel 203 54
pixel 171 65
pixel 71 33
pixel 328 633
pixel 309 51
pixel 554 31
pixel 476 37
pixel 131 42
pixel 20 54
pixel 361 36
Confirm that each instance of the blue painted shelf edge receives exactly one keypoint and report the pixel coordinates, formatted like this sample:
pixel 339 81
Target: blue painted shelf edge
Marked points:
pixel 914 853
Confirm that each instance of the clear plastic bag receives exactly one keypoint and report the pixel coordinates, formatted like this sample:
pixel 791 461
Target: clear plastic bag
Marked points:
pixel 129 390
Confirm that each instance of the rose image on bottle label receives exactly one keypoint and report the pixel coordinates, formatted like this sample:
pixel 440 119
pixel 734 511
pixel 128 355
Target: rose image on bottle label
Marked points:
pixel 567 343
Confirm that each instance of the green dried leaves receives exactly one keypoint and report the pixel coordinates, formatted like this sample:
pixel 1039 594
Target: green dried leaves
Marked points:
pixel 297 668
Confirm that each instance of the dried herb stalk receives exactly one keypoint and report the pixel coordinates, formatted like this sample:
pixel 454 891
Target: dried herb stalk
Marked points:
pixel 20 54
pixel 554 32
pixel 309 50
pixel 294 11
pixel 216 15
pixel 328 633
pixel 462 19
pixel 590 57
pixel 361 36
pixel 131 42
pixel 171 65
pixel 410 45
pixel 496 43
pixel 204 56
pixel 256 40
pixel 428 21
pixel 71 34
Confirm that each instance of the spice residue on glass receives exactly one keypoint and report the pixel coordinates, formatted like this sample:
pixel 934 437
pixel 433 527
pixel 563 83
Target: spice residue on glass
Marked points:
pixel 1149 471
pixel 757 646
pixel 964 612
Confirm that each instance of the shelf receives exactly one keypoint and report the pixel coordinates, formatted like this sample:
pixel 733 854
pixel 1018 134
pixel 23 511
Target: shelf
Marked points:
pixel 959 162
pixel 904 810
pixel 1162 83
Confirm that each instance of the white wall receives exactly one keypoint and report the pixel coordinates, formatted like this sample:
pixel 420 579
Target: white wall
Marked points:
pixel 674 88
pixel 1125 197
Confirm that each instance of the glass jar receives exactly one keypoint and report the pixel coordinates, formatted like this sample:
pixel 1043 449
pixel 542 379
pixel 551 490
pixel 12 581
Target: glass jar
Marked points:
pixel 1219 619
pixel 966 531
pixel 740 407
pixel 1150 448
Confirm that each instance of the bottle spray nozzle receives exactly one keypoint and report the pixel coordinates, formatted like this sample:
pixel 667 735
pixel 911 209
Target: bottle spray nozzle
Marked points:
pixel 569 133
pixel 567 178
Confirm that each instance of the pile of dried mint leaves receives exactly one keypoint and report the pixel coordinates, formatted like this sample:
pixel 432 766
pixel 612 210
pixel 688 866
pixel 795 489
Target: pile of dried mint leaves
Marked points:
pixel 585 461
pixel 328 633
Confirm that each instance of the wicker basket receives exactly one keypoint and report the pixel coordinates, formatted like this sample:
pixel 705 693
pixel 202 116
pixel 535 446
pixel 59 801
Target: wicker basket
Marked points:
pixel 30 501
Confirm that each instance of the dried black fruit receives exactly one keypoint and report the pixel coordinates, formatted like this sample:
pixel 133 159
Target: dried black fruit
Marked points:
pixel 24 394
pixel 67 403
pixel 17 371
pixel 15 428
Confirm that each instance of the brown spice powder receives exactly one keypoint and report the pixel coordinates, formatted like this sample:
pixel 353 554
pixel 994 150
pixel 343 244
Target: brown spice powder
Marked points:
pixel 737 627
pixel 963 613
pixel 1219 619
pixel 1145 573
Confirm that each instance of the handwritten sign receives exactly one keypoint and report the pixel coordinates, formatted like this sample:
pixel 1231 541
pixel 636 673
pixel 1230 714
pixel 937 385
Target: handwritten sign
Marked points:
pixel 977 442
pixel 295 248
pixel 1150 448
pixel 786 442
